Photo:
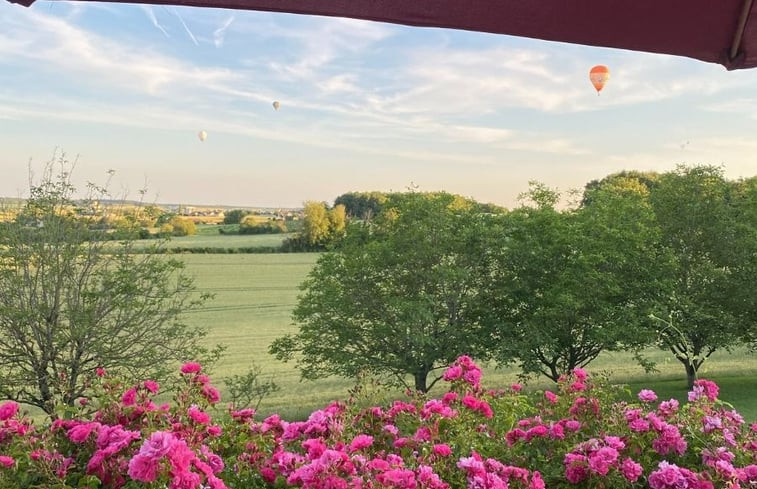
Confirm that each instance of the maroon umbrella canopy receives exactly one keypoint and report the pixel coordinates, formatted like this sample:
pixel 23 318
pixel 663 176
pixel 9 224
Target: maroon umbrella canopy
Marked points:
pixel 716 31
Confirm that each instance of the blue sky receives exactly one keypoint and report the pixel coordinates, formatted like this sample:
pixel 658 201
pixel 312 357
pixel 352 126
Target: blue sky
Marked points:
pixel 364 106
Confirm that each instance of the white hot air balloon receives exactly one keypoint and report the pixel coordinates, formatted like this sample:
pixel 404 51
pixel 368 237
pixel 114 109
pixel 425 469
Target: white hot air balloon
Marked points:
pixel 276 105
pixel 202 135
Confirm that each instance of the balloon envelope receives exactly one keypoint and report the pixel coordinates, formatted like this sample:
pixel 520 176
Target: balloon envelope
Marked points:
pixel 276 105
pixel 599 76
pixel 202 135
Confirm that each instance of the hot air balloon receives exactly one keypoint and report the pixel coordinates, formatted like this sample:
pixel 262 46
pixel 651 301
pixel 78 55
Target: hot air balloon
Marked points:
pixel 276 105
pixel 599 76
pixel 202 135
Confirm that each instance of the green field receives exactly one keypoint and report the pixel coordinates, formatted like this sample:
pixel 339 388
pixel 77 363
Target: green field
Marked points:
pixel 255 294
pixel 231 242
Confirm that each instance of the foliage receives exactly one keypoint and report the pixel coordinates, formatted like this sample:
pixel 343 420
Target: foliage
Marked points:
pixel 180 226
pixel 585 434
pixel 709 225
pixel 70 302
pixel 399 296
pixel 571 284
pixel 235 216
pixel 321 228
pixel 252 226
pixel 362 205
pixel 248 390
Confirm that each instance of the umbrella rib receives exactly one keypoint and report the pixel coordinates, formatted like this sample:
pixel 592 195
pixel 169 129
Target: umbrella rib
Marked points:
pixel 739 34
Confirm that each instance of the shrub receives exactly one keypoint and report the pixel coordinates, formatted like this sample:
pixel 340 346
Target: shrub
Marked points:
pixel 583 434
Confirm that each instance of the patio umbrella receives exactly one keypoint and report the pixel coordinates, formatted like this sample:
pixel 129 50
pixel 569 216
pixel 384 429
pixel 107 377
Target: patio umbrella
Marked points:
pixel 715 31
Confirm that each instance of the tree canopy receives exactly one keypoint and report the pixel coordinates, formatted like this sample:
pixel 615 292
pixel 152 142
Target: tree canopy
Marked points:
pixel 72 302
pixel 398 297
pixel 571 284
pixel 709 226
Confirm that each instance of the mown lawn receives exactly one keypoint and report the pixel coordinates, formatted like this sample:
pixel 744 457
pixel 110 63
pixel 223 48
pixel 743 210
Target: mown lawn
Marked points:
pixel 255 294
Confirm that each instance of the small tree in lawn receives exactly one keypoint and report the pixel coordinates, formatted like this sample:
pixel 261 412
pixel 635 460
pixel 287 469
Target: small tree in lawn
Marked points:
pixel 709 225
pixel 72 302
pixel 571 284
pixel 398 297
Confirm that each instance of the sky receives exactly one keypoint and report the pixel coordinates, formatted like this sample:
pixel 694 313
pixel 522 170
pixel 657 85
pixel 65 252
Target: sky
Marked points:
pixel 363 106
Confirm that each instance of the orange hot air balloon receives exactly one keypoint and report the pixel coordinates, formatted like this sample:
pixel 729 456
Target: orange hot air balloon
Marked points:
pixel 599 76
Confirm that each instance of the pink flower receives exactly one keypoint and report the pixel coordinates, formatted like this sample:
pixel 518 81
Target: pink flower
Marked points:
pixel 243 414
pixel 453 373
pixel 667 476
pixel 646 395
pixel 705 388
pixel 576 469
pixel 360 441
pixel 442 449
pixel 129 397
pixel 668 408
pixel 473 377
pixel 551 397
pixel 191 368
pixel 198 415
pixel 631 470
pixel 539 431
pixel 514 435
pixel 601 460
pixel 6 461
pixel 80 432
pixel 211 394
pixel 577 386
pixel 144 465
pixel 151 386
pixel 516 387
pixel 100 372
pixel 536 481
pixel 8 410
pixel 580 374
pixel 450 397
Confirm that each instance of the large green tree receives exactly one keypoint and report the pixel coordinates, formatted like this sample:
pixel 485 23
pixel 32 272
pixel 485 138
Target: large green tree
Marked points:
pixel 573 283
pixel 709 225
pixel 398 298
pixel 71 302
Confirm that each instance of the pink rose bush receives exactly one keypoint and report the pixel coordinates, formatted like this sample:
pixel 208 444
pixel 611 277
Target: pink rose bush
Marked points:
pixel 582 434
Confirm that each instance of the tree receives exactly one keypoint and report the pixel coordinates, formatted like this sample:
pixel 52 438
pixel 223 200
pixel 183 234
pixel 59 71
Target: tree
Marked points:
pixel 182 227
pixel 337 221
pixel 315 227
pixel 709 225
pixel 362 205
pixel 571 284
pixel 250 225
pixel 71 303
pixel 235 216
pixel 398 297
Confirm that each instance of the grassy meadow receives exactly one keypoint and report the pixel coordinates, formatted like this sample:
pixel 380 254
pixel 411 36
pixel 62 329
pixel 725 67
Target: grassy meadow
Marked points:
pixel 228 241
pixel 255 294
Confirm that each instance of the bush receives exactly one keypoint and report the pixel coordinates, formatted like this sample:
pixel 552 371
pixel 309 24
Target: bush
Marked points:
pixel 250 226
pixel 584 434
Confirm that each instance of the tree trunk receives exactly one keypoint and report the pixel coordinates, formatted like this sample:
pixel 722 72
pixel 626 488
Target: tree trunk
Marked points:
pixel 420 381
pixel 691 374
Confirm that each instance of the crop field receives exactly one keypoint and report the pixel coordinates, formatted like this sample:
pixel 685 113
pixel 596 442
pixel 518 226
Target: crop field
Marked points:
pixel 254 297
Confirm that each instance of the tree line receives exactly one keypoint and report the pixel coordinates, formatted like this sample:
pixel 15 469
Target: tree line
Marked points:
pixel 644 259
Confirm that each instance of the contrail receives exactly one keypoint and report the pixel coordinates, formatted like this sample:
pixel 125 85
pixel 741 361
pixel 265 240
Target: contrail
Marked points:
pixel 151 15
pixel 219 33
pixel 191 36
